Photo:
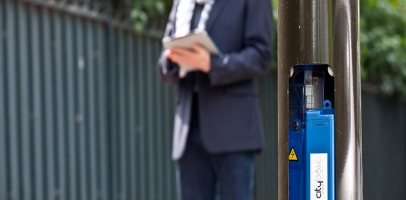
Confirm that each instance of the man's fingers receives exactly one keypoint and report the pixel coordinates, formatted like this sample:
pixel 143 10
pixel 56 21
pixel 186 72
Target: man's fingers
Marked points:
pixel 178 57
pixel 198 49
pixel 174 54
pixel 196 57
pixel 181 51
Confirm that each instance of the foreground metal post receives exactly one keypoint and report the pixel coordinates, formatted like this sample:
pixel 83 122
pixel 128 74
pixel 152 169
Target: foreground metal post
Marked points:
pixel 324 32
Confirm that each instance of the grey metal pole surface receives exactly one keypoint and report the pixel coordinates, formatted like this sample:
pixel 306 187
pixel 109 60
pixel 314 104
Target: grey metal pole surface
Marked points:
pixel 323 32
pixel 346 61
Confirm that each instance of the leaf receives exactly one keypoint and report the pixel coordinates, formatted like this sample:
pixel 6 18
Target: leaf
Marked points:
pixel 160 7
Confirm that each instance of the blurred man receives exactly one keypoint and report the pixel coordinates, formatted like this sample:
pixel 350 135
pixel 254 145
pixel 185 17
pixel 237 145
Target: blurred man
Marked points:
pixel 217 128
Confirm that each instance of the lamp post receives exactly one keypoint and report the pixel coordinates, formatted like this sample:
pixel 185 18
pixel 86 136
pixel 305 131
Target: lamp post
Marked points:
pixel 327 33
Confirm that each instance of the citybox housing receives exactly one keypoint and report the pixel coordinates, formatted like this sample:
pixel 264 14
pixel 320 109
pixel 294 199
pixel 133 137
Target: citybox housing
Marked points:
pixel 311 148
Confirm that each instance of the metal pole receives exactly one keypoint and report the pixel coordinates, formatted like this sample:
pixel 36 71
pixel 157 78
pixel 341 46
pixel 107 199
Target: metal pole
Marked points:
pixel 346 61
pixel 323 32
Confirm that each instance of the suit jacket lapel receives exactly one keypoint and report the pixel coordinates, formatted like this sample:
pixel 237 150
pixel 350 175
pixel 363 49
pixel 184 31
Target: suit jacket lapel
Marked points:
pixel 215 12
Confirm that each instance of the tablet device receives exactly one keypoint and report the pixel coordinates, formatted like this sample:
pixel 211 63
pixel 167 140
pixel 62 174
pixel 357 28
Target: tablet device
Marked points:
pixel 201 38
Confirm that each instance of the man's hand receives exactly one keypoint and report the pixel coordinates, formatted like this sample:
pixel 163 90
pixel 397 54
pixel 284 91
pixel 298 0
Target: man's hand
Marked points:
pixel 197 58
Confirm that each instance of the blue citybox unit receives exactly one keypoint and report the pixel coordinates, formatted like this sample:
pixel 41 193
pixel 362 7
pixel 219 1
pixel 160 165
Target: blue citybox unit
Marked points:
pixel 297 164
pixel 320 154
pixel 309 87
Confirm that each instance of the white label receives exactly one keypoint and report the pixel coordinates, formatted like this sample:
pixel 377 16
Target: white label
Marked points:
pixel 309 97
pixel 318 176
pixel 309 102
pixel 309 90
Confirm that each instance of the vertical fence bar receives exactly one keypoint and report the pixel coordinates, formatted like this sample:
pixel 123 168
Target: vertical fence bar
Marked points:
pixel 121 129
pixel 150 133
pixel 3 152
pixel 81 121
pixel 125 139
pixel 167 133
pixel 151 128
pixel 112 108
pixel 11 91
pixel 158 131
pixel 138 100
pixel 24 102
pixel 70 108
pixel 131 75
pixel 60 82
pixel 91 107
pixel 149 156
pixel 130 115
pixel 37 127
pixel 113 122
pixel 171 191
pixel 102 122
pixel 142 118
pixel 127 123
pixel 47 90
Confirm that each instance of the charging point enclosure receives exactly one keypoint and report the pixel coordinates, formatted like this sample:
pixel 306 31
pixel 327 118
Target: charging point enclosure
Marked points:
pixel 311 90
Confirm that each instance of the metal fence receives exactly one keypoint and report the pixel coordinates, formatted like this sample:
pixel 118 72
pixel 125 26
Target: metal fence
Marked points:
pixel 384 147
pixel 84 115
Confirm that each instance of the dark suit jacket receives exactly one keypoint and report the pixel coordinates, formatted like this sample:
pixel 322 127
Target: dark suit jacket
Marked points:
pixel 229 114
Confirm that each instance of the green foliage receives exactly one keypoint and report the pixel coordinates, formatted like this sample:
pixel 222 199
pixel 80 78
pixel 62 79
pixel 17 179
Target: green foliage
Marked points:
pixel 145 11
pixel 383 44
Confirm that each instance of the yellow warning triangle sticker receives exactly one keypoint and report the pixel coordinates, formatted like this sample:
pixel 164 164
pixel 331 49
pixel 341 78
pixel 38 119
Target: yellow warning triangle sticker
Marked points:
pixel 292 155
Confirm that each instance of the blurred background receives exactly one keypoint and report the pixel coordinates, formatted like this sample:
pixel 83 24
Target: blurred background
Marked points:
pixel 84 115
